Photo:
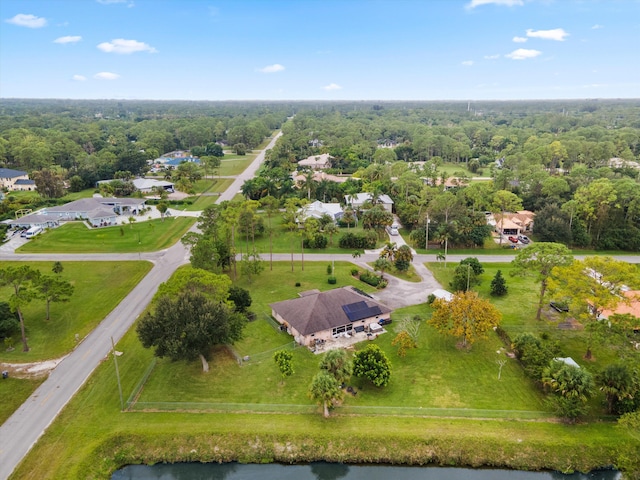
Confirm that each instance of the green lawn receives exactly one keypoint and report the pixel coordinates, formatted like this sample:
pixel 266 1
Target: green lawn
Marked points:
pixel 396 424
pixel 284 240
pixel 519 307
pixel 234 164
pixel 99 288
pixel 76 237
pixel 14 392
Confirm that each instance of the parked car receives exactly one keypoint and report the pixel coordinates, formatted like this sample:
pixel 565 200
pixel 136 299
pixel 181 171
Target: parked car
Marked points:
pixel 524 239
pixel 513 239
pixel 393 229
pixel 559 306
pixel 384 321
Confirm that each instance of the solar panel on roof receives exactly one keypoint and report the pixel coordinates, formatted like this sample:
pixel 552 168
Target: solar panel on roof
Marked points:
pixel 352 307
pixel 359 310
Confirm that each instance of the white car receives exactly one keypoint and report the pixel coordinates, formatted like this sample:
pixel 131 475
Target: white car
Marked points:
pixel 393 229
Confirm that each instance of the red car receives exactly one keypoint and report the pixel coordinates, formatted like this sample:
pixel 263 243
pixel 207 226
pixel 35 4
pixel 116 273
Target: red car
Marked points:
pixel 513 239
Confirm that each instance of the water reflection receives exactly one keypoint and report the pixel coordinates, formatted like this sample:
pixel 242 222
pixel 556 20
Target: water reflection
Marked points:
pixel 334 471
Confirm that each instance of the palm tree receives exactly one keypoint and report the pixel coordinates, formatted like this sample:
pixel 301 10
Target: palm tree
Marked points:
pixel 389 251
pixel 325 389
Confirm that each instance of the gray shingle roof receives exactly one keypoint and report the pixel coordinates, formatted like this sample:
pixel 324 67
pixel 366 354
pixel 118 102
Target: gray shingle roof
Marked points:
pixel 9 173
pixel 323 311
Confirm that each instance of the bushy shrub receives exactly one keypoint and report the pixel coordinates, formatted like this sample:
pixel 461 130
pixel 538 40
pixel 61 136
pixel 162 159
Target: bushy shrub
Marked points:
pixel 358 241
pixel 332 280
pixel 318 241
pixel 534 354
pixel 431 298
pixel 370 278
pixel 355 272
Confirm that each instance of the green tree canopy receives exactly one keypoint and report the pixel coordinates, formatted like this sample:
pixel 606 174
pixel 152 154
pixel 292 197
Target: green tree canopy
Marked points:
pixel 539 259
pixel 372 363
pixel 188 326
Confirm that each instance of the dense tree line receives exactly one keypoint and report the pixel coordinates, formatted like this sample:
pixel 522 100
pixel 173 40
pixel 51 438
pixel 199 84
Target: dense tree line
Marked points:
pixel 92 140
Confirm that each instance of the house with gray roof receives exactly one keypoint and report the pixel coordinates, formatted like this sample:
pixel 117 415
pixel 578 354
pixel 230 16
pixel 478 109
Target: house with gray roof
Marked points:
pixel 317 316
pixel 359 199
pixel 100 211
pixel 318 209
pixel 15 180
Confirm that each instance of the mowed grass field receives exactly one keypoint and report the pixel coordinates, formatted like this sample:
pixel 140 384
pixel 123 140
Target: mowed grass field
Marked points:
pixel 98 288
pixel 232 164
pixel 398 424
pixel 75 237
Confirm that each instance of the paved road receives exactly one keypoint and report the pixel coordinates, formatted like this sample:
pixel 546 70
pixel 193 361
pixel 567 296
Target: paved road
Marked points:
pixel 23 429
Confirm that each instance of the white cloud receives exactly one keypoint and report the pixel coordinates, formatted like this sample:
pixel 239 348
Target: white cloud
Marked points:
pixel 27 20
pixel 68 39
pixel 79 78
pixel 106 76
pixel 467 63
pixel 520 39
pixel 122 46
pixel 506 3
pixel 331 87
pixel 491 57
pixel 523 53
pixel 276 67
pixel 596 27
pixel 556 34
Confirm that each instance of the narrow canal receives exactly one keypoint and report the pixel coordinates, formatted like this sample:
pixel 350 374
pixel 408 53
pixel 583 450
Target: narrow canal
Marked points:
pixel 335 471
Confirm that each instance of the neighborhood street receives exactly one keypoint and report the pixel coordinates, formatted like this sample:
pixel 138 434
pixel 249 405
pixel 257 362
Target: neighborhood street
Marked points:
pixel 20 432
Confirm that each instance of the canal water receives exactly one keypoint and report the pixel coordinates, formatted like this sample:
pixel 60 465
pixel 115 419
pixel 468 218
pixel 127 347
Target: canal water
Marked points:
pixel 335 471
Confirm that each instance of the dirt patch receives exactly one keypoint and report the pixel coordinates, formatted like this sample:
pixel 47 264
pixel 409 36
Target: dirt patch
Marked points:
pixel 30 370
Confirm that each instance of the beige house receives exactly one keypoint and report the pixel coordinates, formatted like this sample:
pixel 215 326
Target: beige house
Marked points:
pixel 316 162
pixel 15 180
pixel 317 317
pixel 520 222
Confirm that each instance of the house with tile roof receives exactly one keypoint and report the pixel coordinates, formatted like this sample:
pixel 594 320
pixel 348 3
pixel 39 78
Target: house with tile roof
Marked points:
pixel 316 317
pixel 316 162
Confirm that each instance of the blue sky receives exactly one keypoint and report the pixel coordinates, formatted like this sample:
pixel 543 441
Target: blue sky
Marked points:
pixel 320 49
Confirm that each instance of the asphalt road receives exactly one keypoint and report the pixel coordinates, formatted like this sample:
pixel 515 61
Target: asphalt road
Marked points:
pixel 23 429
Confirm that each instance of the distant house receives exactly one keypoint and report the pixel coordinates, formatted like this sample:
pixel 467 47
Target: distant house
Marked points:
pixel 616 162
pixel 517 223
pixel 316 162
pixel 100 211
pixel 318 209
pixel 35 220
pixel 359 199
pixel 15 180
pixel 320 316
pixel 632 308
pixel 148 185
pixel 318 177
pixel 449 183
